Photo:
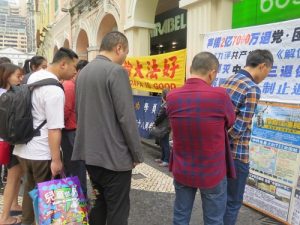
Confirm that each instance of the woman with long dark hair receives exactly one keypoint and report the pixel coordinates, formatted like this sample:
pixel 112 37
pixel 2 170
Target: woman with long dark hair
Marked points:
pixel 10 75
pixel 32 65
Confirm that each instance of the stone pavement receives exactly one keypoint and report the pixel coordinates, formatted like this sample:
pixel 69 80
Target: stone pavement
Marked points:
pixel 152 196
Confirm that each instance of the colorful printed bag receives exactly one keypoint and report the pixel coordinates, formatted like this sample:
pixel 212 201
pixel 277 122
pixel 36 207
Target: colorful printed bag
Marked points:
pixel 60 202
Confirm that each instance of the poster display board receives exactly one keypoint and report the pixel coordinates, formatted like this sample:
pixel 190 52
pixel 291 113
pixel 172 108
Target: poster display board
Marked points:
pixel 273 182
pixel 273 186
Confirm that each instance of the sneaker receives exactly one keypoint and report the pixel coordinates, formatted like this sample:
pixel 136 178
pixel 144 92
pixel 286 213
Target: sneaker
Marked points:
pixel 164 164
pixel 158 160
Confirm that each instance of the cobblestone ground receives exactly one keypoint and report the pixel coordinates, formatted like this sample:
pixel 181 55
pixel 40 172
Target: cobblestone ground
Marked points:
pixel 152 197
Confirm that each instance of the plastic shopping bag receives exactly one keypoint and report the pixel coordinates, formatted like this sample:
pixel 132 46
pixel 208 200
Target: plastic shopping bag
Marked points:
pixel 60 202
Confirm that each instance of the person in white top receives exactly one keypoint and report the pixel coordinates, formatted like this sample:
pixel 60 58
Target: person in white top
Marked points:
pixel 10 75
pixel 40 158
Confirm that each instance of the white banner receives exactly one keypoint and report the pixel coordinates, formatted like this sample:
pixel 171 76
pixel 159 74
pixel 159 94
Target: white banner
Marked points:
pixel 283 39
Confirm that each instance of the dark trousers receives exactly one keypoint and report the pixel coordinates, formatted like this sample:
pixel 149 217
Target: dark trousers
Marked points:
pixel 72 168
pixel 112 196
pixel 36 171
pixel 165 148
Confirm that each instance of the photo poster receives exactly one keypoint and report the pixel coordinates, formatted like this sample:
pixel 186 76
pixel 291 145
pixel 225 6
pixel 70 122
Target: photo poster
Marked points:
pixel 274 161
pixel 274 181
pixel 146 109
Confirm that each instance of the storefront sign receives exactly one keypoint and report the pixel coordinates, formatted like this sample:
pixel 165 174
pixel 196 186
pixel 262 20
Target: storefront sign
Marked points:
pixel 256 12
pixel 169 25
pixel 157 72
pixel 282 39
pixel 170 31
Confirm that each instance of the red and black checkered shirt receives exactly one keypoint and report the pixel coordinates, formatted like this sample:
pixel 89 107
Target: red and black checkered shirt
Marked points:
pixel 199 116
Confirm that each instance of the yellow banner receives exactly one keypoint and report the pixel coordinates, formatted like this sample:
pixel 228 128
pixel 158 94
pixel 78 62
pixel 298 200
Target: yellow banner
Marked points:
pixel 156 72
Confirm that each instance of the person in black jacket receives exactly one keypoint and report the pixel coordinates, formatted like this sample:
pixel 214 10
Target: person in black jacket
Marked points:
pixel 164 141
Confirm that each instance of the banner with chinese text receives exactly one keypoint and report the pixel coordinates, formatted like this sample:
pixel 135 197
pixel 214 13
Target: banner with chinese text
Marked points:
pixel 157 72
pixel 146 109
pixel 274 161
pixel 232 47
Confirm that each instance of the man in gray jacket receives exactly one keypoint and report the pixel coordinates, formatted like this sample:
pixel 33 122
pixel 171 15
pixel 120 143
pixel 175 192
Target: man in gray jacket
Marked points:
pixel 107 137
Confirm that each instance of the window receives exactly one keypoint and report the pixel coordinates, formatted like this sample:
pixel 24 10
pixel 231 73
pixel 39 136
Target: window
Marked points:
pixel 56 5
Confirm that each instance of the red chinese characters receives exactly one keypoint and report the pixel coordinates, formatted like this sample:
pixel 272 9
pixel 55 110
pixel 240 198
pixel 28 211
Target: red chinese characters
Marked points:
pixel 170 67
pixel 153 69
pixel 138 70
pixel 128 66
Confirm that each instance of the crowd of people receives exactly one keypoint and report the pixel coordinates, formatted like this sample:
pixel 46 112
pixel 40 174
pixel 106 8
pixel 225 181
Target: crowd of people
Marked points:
pixel 92 122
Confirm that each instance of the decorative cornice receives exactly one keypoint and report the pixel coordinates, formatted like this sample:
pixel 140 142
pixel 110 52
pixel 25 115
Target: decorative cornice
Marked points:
pixel 134 24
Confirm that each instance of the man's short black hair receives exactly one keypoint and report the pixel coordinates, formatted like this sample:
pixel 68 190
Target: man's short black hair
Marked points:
pixel 112 39
pixel 259 56
pixel 203 62
pixel 4 60
pixel 82 63
pixel 64 53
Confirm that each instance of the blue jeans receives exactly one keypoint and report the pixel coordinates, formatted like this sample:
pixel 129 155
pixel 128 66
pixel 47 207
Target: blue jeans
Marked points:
pixel 165 147
pixel 235 192
pixel 213 203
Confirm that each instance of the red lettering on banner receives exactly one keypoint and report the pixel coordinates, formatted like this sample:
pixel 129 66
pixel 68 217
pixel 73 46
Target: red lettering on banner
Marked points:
pixel 152 69
pixel 148 85
pixel 128 66
pixel 138 70
pixel 136 83
pixel 161 86
pixel 170 69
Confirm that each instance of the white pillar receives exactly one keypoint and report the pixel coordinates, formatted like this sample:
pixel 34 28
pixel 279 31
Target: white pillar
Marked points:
pixel 139 43
pixel 204 16
pixel 139 40
pixel 93 51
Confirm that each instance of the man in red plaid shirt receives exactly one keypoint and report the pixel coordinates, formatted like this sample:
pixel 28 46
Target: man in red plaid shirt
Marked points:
pixel 200 116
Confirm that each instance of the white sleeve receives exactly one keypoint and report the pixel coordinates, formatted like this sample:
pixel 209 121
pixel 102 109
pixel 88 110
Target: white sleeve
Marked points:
pixel 54 108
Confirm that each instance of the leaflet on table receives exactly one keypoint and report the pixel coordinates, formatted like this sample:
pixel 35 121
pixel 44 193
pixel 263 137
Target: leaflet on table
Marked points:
pixel 270 196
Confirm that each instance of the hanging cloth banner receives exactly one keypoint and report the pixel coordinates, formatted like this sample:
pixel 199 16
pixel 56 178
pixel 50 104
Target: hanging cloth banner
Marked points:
pixel 232 47
pixel 156 72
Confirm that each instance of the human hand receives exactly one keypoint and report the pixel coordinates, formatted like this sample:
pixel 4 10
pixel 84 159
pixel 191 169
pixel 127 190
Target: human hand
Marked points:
pixel 56 167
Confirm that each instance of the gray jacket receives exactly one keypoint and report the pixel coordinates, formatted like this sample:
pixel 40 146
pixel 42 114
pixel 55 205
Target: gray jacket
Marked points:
pixel 107 134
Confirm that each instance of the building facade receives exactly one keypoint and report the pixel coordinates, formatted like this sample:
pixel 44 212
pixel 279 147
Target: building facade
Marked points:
pixel 17 57
pixel 81 24
pixel 12 27
pixel 30 25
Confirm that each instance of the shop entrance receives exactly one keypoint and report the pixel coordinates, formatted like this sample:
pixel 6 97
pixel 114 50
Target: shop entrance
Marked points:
pixel 170 28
